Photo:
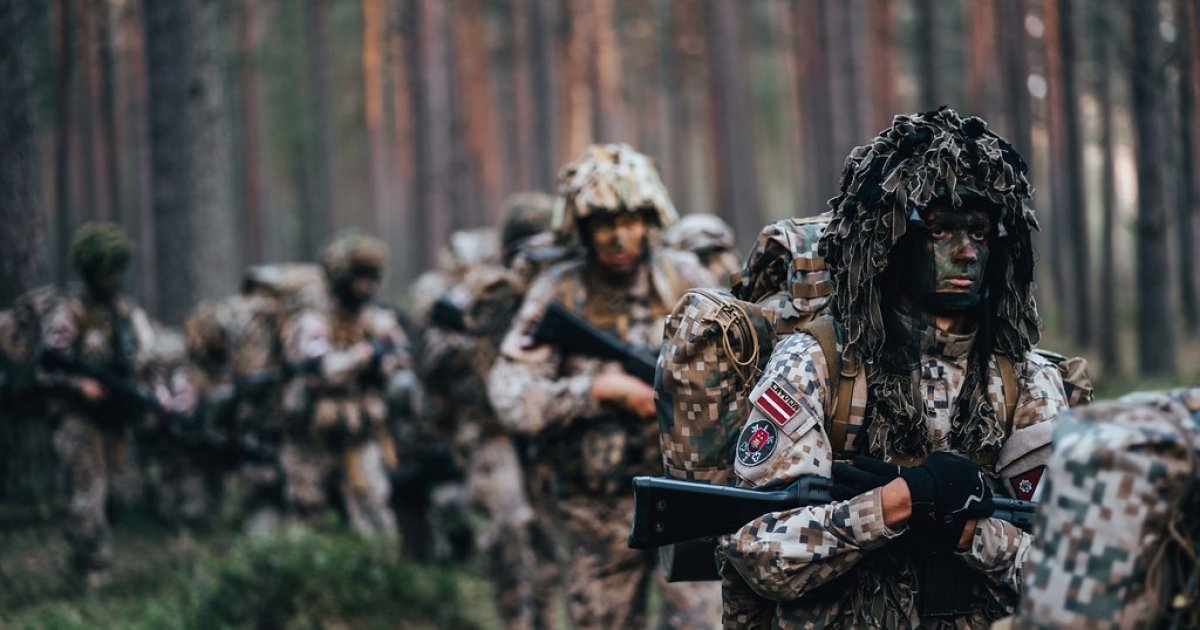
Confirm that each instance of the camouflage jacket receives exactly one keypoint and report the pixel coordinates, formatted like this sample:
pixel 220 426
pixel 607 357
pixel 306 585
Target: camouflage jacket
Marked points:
pixel 1119 475
pixel 347 391
pixel 536 391
pixel 787 556
pixel 117 338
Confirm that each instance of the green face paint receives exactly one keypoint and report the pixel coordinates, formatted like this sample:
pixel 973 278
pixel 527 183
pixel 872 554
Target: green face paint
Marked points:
pixel 950 263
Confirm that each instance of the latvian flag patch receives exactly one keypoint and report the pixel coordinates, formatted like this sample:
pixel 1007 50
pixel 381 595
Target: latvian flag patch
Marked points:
pixel 777 404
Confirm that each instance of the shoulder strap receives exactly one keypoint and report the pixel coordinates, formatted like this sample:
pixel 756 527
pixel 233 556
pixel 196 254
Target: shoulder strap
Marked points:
pixel 842 371
pixel 1008 376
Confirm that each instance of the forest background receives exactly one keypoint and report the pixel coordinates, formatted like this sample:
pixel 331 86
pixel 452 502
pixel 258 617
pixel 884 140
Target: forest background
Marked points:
pixel 224 133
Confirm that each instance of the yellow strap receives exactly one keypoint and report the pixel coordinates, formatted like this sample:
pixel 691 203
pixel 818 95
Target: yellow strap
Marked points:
pixel 1008 376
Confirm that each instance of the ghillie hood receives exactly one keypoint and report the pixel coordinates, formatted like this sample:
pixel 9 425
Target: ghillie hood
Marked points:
pixel 921 159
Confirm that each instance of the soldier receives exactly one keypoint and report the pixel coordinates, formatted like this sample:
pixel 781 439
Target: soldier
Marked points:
pixel 1115 537
pixel 337 442
pixel 593 425
pixel 929 252
pixel 454 362
pixel 104 329
pixel 711 240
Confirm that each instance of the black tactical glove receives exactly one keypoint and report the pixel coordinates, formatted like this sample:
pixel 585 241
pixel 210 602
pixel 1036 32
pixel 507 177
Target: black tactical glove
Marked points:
pixel 947 491
pixel 862 474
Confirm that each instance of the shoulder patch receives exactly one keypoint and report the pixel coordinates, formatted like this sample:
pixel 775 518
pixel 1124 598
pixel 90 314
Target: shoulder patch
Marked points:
pixel 1026 485
pixel 777 403
pixel 756 443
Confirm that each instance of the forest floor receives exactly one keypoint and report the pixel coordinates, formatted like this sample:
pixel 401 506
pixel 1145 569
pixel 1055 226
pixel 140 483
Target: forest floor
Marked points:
pixel 295 578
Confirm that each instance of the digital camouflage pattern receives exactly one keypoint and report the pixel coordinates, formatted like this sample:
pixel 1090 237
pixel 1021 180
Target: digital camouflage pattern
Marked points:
pixel 785 273
pixel 584 453
pixel 787 555
pixel 711 240
pixel 1116 532
pixel 608 178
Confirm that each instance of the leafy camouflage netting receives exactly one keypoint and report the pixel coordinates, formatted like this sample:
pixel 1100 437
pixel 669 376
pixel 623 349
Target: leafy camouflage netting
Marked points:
pixel 924 158
pixel 100 248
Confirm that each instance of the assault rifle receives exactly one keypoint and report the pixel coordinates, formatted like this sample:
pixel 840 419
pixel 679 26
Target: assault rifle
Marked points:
pixel 667 511
pixel 445 314
pixel 122 397
pixel 574 335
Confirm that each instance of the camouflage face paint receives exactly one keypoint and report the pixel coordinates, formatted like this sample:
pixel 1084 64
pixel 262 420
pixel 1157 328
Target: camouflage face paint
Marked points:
pixel 951 262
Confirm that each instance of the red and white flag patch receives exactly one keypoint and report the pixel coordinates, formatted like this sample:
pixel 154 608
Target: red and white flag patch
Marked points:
pixel 777 404
pixel 1025 484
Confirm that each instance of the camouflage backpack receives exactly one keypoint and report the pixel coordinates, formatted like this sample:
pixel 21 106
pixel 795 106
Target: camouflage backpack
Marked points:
pixel 21 340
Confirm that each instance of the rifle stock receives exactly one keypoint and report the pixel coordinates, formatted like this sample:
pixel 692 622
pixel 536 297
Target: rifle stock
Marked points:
pixel 668 511
pixel 574 335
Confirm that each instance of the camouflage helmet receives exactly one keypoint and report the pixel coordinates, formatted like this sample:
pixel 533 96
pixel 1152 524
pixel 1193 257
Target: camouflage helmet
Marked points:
pixel 699 233
pixel 99 249
pixel 525 214
pixel 468 248
pixel 940 158
pixel 606 179
pixel 352 252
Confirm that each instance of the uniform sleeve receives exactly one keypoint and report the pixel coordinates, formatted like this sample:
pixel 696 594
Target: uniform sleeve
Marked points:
pixel 525 387
pixel 999 549
pixel 783 555
pixel 59 334
pixel 444 353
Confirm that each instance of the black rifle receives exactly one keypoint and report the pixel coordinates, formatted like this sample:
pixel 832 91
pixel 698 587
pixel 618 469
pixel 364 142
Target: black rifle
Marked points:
pixel 124 396
pixel 667 511
pixel 446 315
pixel 574 335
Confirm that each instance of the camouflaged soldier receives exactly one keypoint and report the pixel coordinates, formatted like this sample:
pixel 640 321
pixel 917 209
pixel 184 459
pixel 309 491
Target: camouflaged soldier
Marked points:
pixel 711 240
pixel 1116 533
pixel 337 439
pixel 465 250
pixel 929 251
pixel 592 424
pixel 454 361
pixel 103 328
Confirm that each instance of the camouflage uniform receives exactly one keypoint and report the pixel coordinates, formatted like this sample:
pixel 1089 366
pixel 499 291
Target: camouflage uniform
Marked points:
pixel 1118 518
pixel 839 565
pixel 711 240
pixel 92 439
pixel 585 452
pixel 337 447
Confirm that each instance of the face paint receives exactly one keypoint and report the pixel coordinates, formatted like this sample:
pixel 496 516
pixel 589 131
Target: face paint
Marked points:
pixel 617 240
pixel 951 260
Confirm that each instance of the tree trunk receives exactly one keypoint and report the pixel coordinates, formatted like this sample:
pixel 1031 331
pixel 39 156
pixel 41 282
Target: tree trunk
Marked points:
pixel 930 54
pixel 545 86
pixel 191 155
pixel 402 64
pixel 319 223
pixel 250 120
pixel 1057 222
pixel 474 77
pixel 840 42
pixel 435 168
pixel 818 159
pixel 736 194
pixel 981 57
pixel 1156 322
pixel 881 50
pixel 575 74
pixel 608 124
pixel 22 262
pixel 1187 174
pixel 64 137
pixel 1109 339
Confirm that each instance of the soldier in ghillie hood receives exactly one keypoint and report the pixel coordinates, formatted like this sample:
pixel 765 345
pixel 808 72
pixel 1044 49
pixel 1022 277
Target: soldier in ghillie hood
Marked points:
pixel 929 251
pixel 101 328
pixel 593 424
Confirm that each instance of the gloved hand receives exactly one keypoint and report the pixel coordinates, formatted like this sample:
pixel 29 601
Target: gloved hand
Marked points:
pixel 947 491
pixel 862 474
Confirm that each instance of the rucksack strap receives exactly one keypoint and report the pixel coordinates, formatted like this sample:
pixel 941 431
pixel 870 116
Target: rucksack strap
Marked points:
pixel 843 372
pixel 1008 377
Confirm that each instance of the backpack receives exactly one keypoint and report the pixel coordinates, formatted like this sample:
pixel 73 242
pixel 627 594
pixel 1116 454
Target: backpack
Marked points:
pixel 21 340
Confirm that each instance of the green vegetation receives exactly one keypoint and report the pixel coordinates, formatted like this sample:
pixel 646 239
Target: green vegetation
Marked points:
pixel 291 578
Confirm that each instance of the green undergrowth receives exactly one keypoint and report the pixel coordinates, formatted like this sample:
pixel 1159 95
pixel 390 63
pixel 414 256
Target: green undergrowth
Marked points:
pixel 291 578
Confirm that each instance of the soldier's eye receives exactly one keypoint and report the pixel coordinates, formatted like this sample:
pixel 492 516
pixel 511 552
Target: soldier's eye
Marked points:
pixel 939 233
pixel 979 236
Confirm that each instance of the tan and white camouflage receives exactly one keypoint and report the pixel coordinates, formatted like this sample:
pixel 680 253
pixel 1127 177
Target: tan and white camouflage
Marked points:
pixel 1116 532
pixel 609 178
pixel 711 240
pixel 794 557
pixel 585 453
pixel 92 441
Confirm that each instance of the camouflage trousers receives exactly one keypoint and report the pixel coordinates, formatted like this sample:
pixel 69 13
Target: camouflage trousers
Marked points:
pixel 99 468
pixel 185 491
pixel 608 581
pixel 315 476
pixel 515 544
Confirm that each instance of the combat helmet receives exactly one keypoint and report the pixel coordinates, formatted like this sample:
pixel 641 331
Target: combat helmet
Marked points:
pixel 352 253
pixel 699 233
pixel 525 215
pixel 99 249
pixel 608 179
pixel 935 157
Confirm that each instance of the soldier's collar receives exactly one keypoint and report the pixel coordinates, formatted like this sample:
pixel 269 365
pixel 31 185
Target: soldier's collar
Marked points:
pixel 934 342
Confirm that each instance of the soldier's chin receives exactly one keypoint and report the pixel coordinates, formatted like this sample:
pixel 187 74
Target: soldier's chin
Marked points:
pixel 951 302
